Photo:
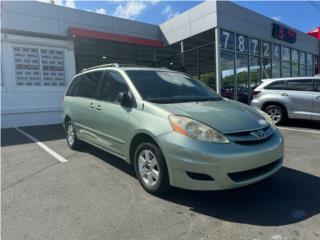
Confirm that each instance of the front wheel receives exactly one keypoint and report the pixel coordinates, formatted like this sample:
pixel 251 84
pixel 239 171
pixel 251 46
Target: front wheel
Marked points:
pixel 276 113
pixel 151 169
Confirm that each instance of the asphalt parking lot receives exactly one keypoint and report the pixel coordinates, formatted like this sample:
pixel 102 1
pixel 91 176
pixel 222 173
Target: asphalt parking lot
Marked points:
pixel 94 195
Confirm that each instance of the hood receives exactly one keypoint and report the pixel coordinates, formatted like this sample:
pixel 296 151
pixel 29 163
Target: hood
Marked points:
pixel 224 116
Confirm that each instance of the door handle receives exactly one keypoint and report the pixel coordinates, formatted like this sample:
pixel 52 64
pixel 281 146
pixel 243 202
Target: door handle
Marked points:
pixel 91 106
pixel 284 94
pixel 99 108
pixel 318 97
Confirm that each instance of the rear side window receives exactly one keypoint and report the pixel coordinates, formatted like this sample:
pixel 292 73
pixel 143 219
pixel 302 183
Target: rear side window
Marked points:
pixel 89 84
pixel 112 84
pixel 74 87
pixel 278 85
pixel 300 85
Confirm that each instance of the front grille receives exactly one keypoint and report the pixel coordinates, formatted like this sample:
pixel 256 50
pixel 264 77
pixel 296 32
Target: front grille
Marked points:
pixel 253 173
pixel 254 141
pixel 247 138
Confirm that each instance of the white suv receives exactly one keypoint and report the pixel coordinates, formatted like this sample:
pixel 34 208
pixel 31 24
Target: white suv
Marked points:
pixel 296 97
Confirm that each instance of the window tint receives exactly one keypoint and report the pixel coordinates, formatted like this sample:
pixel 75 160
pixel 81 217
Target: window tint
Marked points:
pixel 112 84
pixel 74 87
pixel 89 84
pixel 276 85
pixel 300 85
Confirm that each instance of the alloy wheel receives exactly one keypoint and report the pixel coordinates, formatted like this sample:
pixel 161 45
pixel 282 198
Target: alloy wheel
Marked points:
pixel 148 167
pixel 71 135
pixel 275 114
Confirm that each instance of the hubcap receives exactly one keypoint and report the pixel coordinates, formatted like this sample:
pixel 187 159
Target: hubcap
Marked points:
pixel 274 114
pixel 148 167
pixel 70 134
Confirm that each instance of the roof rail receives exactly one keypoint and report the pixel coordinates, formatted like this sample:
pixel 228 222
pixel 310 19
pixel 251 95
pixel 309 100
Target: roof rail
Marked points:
pixel 101 66
pixel 117 65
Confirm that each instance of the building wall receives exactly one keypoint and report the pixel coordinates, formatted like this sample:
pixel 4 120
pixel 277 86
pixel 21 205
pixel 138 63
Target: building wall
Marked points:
pixel 39 25
pixel 235 18
pixel 36 17
pixel 30 105
pixel 199 19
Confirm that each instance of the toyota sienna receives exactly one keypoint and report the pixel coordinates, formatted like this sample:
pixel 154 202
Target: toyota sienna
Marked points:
pixel 173 129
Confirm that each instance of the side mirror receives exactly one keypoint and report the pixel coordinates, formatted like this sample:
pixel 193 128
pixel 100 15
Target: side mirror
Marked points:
pixel 124 99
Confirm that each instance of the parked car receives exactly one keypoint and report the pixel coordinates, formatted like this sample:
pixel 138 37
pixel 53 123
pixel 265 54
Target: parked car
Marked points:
pixel 282 98
pixel 173 129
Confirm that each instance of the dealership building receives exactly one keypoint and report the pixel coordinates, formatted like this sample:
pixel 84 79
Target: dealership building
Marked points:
pixel 228 47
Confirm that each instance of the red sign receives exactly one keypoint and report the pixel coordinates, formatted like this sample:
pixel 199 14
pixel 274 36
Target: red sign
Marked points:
pixel 315 33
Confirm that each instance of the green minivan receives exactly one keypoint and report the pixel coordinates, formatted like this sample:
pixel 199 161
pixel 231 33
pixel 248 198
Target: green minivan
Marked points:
pixel 173 129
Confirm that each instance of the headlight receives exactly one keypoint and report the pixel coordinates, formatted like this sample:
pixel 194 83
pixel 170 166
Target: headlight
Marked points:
pixel 267 118
pixel 194 129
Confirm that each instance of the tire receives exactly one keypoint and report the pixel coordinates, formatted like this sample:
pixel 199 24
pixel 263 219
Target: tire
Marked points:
pixel 276 113
pixel 149 160
pixel 73 142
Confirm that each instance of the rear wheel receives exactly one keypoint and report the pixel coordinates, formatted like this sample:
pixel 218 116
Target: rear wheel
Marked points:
pixel 72 140
pixel 151 169
pixel 276 113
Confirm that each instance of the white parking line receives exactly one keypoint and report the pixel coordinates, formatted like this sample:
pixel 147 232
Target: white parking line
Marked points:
pixel 299 130
pixel 43 146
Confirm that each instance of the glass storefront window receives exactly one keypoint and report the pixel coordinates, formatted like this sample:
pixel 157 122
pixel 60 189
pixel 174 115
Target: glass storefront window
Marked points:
pixel 303 70
pixel 309 59
pixel 310 66
pixel 126 53
pixel 285 69
pixel 294 69
pixel 310 71
pixel 207 66
pixel 285 53
pixel 227 74
pixel 255 73
pixel 295 56
pixel 144 55
pixel 266 49
pixel 199 40
pixel 302 58
pixel 276 51
pixel 242 77
pixel 242 43
pixel 266 68
pixel 276 68
pixel 191 63
pixel 255 46
pixel 226 40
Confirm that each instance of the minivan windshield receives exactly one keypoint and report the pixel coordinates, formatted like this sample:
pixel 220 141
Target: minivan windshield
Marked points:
pixel 161 86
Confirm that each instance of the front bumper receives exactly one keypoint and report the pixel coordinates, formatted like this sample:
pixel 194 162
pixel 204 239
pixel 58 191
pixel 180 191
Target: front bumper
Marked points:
pixel 229 165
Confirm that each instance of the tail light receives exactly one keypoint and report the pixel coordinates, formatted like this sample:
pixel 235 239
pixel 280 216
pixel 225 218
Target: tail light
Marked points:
pixel 254 93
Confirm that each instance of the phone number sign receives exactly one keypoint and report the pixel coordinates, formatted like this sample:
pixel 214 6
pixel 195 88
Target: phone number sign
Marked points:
pixel 283 33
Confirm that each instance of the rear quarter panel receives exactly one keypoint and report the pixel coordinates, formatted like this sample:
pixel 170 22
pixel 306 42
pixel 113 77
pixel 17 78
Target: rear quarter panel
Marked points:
pixel 267 96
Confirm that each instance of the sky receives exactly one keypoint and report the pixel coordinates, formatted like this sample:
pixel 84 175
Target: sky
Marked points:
pixel 302 15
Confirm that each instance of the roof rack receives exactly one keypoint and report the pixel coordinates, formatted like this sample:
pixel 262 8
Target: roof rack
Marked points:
pixel 117 65
pixel 101 66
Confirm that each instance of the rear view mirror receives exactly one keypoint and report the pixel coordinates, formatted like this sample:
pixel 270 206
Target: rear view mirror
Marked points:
pixel 124 99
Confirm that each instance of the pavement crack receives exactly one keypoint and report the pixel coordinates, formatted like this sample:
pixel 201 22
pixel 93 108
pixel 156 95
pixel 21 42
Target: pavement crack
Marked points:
pixel 29 176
